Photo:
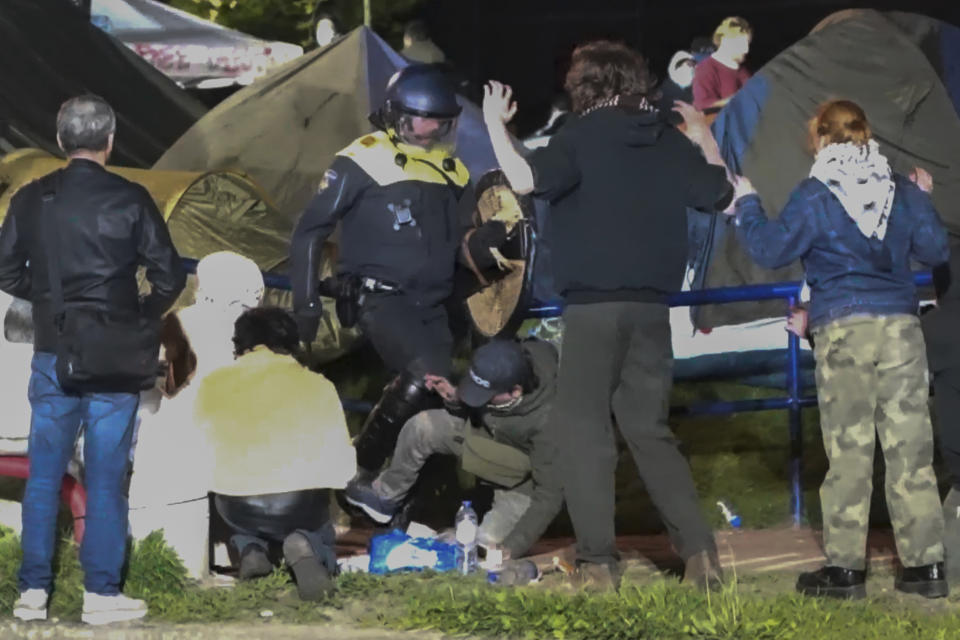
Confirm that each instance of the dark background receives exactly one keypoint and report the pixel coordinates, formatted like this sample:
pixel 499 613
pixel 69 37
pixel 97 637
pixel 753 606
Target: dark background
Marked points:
pixel 527 43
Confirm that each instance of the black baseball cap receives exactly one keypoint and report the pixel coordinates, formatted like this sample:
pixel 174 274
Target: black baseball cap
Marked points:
pixel 497 367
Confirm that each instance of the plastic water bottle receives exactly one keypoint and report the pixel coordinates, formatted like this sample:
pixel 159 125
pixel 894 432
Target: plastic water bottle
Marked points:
pixel 729 514
pixel 466 534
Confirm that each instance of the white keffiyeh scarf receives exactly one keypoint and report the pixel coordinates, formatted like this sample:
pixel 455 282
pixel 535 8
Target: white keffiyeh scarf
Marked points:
pixel 861 179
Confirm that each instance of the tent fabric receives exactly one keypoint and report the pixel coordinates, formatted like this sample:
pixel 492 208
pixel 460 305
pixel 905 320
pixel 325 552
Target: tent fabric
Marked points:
pixel 50 53
pixel 870 58
pixel 286 128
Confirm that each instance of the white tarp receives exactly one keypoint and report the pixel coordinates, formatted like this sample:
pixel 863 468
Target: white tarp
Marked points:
pixel 192 51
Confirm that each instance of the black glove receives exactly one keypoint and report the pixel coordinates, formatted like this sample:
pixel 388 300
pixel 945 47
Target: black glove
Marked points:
pixel 307 326
pixel 491 234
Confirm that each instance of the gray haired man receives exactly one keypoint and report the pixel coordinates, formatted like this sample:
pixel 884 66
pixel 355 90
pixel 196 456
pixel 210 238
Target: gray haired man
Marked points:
pixel 105 229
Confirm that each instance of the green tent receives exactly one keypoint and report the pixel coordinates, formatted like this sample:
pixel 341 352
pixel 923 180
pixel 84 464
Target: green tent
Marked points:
pixel 285 129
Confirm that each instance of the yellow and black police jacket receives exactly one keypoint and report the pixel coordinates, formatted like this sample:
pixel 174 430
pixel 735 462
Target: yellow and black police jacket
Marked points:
pixel 403 211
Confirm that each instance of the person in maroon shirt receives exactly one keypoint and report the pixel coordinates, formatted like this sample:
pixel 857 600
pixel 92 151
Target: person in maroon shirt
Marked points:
pixel 721 75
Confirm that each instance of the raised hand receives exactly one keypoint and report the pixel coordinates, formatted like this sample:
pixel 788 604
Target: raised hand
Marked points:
pixel 742 187
pixel 497 104
pixel 922 178
pixel 694 119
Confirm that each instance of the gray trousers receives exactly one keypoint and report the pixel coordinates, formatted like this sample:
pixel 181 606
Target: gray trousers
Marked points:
pixel 617 359
pixel 438 432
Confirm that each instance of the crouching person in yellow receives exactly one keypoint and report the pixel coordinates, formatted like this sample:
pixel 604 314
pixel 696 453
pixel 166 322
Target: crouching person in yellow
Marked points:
pixel 279 443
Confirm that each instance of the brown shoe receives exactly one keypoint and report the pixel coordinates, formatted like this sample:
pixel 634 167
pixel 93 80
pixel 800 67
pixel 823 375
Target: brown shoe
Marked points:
pixel 594 577
pixel 703 570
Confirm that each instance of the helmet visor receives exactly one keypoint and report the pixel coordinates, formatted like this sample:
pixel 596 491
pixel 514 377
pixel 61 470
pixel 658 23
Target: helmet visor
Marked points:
pixel 425 132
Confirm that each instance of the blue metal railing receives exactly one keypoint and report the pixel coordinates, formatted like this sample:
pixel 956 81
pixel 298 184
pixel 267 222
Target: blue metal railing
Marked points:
pixel 793 402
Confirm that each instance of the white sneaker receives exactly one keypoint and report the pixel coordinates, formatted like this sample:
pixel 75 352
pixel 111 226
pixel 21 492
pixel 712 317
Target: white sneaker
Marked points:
pixel 31 605
pixel 99 609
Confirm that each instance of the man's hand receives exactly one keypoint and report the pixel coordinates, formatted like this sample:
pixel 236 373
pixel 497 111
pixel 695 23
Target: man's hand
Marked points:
pixel 442 387
pixel 797 322
pixel 307 326
pixel 742 187
pixel 922 178
pixel 694 119
pixel 497 106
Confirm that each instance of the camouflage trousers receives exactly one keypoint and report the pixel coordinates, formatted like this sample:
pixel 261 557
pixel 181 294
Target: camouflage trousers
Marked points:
pixel 872 381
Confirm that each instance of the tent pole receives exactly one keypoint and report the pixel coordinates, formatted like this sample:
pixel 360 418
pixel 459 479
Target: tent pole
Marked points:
pixel 367 18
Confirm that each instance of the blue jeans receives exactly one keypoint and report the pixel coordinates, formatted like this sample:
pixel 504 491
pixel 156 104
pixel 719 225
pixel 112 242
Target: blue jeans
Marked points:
pixel 108 420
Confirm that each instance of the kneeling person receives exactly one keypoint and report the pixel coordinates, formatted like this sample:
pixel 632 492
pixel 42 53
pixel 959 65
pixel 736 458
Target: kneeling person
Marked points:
pixel 496 423
pixel 279 442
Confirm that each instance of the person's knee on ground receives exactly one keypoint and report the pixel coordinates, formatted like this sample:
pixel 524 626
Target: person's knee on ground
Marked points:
pixel 313 563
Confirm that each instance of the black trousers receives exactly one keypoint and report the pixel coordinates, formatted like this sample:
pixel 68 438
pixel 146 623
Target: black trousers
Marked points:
pixel 946 407
pixel 943 355
pixel 406 336
pixel 617 358
pixel 265 520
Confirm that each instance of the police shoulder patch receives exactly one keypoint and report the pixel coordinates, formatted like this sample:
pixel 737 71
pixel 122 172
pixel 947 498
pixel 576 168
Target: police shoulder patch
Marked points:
pixel 329 177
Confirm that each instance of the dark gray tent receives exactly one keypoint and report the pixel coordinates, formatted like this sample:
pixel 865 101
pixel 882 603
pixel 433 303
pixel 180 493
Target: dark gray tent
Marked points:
pixel 900 67
pixel 50 52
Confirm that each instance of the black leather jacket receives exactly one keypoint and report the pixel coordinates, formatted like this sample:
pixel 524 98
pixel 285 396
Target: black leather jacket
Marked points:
pixel 107 227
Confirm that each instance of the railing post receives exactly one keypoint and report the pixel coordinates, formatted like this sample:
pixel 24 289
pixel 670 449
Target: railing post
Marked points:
pixel 796 424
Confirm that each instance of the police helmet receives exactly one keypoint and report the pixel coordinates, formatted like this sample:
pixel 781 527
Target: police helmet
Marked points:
pixel 422 90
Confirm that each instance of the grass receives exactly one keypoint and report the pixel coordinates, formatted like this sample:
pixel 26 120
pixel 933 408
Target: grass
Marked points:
pixel 748 609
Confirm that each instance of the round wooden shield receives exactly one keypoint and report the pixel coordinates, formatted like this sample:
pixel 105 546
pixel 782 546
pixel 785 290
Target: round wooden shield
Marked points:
pixel 499 308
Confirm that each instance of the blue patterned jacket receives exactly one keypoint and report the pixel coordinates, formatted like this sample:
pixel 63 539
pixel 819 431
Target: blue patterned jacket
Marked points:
pixel 846 272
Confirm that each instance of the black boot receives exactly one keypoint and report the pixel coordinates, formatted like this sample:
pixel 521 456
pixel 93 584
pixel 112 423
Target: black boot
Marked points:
pixel 928 581
pixel 835 582
pixel 254 563
pixel 402 399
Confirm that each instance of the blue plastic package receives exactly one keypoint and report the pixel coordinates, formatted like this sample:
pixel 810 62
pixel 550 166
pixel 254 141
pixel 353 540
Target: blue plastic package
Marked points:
pixel 397 551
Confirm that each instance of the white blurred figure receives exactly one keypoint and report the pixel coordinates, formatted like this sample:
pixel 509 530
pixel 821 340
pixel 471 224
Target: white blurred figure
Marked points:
pixel 15 360
pixel 324 30
pixel 227 285
pixel 170 482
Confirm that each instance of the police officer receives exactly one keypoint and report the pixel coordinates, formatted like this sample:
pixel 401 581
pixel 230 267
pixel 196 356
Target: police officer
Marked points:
pixel 405 205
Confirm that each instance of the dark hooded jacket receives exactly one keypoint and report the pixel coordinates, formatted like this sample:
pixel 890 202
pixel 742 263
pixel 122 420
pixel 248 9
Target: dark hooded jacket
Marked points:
pixel 620 181
pixel 526 427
